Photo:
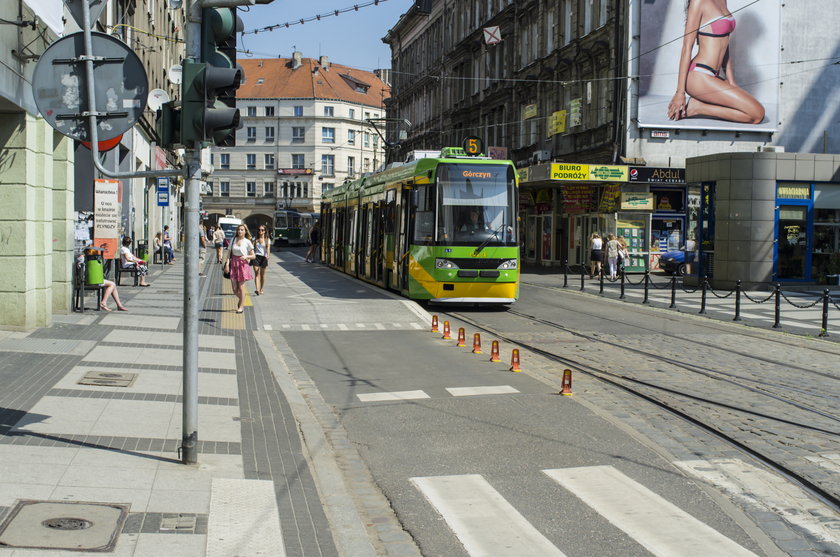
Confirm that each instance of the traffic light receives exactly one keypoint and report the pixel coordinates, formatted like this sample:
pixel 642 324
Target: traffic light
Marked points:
pixel 209 87
pixel 168 125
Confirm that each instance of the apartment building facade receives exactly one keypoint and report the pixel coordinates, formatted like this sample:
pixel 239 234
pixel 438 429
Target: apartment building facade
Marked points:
pixel 307 125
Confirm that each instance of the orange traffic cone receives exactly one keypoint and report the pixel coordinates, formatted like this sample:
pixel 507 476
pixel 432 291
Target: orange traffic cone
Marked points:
pixel 434 324
pixel 567 383
pixel 476 343
pixel 494 351
pixel 462 337
pixel 514 360
pixel 446 333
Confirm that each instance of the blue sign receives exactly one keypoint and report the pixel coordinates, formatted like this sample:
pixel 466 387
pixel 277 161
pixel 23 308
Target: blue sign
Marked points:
pixel 163 192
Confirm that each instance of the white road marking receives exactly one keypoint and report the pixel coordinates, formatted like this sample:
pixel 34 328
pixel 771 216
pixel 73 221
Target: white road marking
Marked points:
pixel 306 327
pixel 484 522
pixel 342 327
pixel 268 327
pixel 763 489
pixel 395 395
pixel 658 525
pixel 470 391
pixel 325 325
pixel 360 325
pixel 286 326
pixel 418 326
pixel 379 326
pixel 243 519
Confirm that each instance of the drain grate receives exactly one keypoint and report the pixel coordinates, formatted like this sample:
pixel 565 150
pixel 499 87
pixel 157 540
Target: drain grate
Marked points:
pixel 108 379
pixel 66 525
pixel 178 523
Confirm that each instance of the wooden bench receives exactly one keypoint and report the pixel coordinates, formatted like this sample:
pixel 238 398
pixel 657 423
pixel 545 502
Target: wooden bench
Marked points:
pixel 119 270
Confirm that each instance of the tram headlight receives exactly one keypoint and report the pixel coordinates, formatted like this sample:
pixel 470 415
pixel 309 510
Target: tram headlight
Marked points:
pixel 508 264
pixel 445 264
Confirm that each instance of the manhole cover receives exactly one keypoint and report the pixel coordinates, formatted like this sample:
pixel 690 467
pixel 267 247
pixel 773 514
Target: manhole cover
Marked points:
pixel 67 525
pixel 108 378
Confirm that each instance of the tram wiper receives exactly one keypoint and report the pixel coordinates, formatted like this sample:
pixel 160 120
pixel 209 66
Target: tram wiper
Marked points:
pixel 495 234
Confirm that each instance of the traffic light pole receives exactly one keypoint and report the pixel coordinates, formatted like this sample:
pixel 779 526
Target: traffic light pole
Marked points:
pixel 192 200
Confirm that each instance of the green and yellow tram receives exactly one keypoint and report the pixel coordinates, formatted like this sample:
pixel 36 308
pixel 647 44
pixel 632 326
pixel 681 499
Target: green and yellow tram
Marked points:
pixel 439 229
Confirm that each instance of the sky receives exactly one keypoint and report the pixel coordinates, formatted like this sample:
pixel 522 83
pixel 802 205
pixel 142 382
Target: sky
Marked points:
pixel 353 38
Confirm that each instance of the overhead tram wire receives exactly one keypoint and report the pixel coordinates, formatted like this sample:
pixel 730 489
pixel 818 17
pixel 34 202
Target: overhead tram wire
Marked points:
pixel 319 17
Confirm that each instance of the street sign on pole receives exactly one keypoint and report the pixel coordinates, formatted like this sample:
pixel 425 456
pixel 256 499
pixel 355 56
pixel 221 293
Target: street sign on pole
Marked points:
pixel 59 84
pixel 76 10
pixel 163 192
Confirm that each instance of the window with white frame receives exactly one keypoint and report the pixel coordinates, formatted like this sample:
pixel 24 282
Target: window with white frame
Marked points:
pixel 567 21
pixel 298 134
pixel 269 111
pixel 251 134
pixel 251 189
pixel 268 161
pixel 329 111
pixel 224 160
pixel 549 31
pixel 352 114
pixel 602 13
pixel 250 161
pixel 587 16
pixel 327 135
pixel 327 186
pixel 367 139
pixel 298 111
pixel 269 133
pixel 351 166
pixel 209 188
pixel 298 161
pixel 268 189
pixel 351 137
pixel 328 165
pixel 224 189
pixel 252 111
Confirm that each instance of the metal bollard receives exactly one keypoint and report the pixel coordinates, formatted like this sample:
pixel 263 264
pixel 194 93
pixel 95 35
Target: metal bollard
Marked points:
pixel 565 273
pixel 778 308
pixel 673 291
pixel 647 278
pixel 737 301
pixel 824 332
pixel 601 278
pixel 582 275
pixel 703 294
pixel 621 296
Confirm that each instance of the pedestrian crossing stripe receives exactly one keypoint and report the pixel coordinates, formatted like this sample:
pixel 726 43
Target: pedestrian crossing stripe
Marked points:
pixel 487 524
pixel 349 326
pixel 396 395
pixel 652 521
pixel 483 521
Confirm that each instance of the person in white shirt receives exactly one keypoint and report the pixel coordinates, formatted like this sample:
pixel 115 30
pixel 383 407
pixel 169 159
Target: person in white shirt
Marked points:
pixel 241 252
pixel 130 261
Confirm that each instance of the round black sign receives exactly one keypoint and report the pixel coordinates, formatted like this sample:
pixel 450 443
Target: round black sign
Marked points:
pixel 473 146
pixel 59 85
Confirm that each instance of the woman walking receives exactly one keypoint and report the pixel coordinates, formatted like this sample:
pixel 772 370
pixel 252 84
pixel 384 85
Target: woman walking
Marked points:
pixel 219 243
pixel 314 242
pixel 262 249
pixel 240 253
pixel 612 255
pixel 596 254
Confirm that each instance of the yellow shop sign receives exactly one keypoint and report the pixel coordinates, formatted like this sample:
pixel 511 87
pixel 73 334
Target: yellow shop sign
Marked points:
pixel 565 171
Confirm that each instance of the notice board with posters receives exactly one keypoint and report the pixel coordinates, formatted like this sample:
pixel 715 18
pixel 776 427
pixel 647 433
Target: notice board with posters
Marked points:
pixel 107 205
pixel 634 232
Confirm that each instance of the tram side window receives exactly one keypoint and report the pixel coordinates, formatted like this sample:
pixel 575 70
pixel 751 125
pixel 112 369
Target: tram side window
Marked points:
pixel 424 218
pixel 390 211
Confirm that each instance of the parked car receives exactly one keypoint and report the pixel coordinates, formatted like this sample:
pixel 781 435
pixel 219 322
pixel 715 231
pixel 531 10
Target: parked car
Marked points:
pixel 675 261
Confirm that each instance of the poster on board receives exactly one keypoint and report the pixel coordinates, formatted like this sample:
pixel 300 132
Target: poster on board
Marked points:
pixel 747 45
pixel 106 216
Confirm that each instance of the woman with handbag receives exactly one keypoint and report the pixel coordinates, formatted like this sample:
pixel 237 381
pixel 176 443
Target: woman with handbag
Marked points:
pixel 262 251
pixel 237 265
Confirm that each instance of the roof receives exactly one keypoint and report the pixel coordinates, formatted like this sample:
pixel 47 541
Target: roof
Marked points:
pixel 310 80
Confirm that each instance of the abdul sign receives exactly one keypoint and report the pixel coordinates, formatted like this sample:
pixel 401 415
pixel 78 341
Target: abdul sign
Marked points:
pixel 657 175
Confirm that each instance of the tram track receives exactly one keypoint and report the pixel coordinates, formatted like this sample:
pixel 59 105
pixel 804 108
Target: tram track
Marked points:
pixel 659 395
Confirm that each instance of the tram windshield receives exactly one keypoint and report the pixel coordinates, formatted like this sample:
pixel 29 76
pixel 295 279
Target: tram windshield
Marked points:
pixel 476 204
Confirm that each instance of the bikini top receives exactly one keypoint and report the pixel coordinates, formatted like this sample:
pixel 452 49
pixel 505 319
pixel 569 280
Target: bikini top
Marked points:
pixel 720 26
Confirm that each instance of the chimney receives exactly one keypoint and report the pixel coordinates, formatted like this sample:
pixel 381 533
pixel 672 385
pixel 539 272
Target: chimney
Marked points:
pixel 297 60
pixel 324 62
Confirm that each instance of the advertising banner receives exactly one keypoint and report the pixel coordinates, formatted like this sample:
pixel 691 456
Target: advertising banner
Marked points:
pixel 655 175
pixel 107 206
pixel 577 198
pixel 636 201
pixel 589 172
pixel 747 45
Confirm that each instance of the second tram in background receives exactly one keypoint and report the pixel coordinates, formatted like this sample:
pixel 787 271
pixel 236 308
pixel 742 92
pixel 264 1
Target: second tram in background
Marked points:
pixel 291 227
pixel 440 228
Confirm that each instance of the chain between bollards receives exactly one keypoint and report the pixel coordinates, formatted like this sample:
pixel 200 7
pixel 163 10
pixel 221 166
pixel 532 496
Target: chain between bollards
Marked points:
pixel 621 296
pixel 777 312
pixel 647 279
pixel 703 294
pixel 673 291
pixel 737 301
pixel 824 331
